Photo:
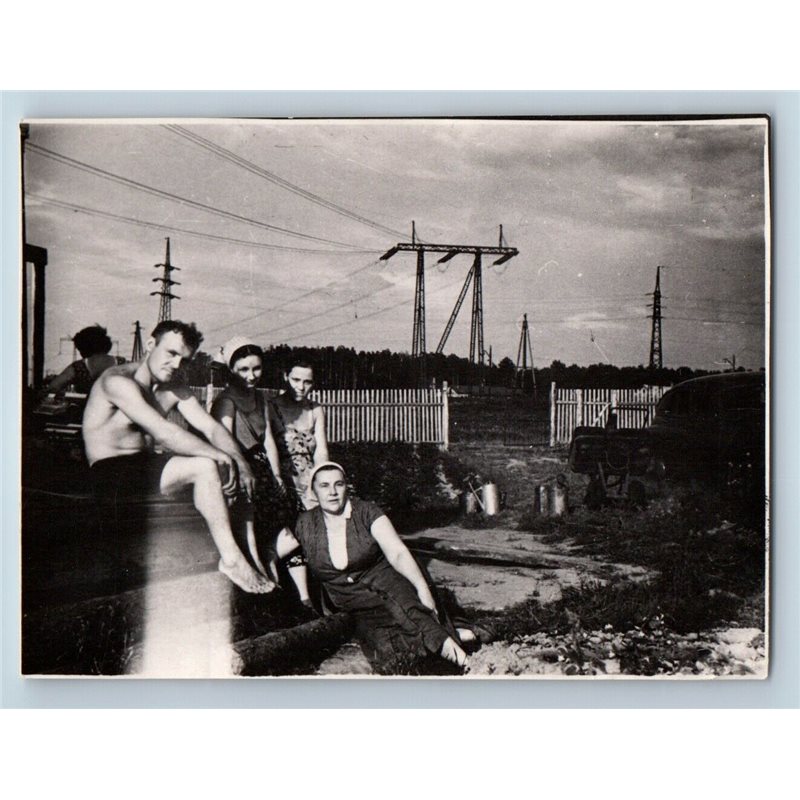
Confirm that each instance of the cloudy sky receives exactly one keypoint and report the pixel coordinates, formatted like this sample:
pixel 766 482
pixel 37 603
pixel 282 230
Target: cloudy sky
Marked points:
pixel 277 228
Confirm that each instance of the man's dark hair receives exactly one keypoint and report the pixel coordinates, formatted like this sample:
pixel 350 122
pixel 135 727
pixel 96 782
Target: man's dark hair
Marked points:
pixel 92 341
pixel 188 330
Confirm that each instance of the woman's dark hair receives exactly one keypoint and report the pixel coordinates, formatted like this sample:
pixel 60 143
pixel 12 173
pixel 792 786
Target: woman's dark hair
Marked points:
pixel 92 341
pixel 291 363
pixel 244 351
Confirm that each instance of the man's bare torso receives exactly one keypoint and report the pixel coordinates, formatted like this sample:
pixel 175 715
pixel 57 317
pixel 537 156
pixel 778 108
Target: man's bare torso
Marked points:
pixel 107 430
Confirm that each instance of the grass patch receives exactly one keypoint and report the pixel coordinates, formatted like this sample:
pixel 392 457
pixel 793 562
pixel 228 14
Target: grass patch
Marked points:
pixel 709 566
pixel 418 486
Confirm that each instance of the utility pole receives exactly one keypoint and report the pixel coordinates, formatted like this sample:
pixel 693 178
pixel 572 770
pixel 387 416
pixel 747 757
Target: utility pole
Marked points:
pixel 476 347
pixel 138 351
pixel 165 293
pixel 656 356
pixel 524 350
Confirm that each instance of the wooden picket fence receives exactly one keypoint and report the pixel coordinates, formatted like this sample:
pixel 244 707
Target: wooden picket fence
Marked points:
pixel 418 416
pixel 570 408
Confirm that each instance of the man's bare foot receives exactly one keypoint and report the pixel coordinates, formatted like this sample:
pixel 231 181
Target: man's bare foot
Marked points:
pixel 245 577
pixel 452 652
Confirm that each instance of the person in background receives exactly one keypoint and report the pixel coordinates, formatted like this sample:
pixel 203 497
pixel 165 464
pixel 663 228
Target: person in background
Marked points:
pixel 242 411
pixel 94 345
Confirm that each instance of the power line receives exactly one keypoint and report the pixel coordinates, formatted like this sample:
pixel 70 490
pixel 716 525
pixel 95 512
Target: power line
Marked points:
pixel 713 300
pixel 160 226
pixel 293 299
pixel 369 315
pixel 718 321
pixel 327 310
pixel 128 182
pixel 250 166
pixel 587 321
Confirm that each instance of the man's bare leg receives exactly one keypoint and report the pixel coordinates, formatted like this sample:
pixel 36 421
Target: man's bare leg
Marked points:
pixel 252 545
pixel 201 474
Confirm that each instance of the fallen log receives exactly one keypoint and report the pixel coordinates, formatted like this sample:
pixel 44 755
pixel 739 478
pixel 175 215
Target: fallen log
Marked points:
pixel 292 650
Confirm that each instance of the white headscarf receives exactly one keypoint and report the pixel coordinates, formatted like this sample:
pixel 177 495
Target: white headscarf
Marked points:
pixel 230 347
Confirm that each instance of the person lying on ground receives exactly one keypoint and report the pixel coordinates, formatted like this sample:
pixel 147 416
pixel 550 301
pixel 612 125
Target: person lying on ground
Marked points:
pixel 241 409
pixel 365 569
pixel 126 414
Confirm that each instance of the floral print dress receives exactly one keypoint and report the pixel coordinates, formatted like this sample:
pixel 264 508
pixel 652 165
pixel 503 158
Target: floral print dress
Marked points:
pixel 296 445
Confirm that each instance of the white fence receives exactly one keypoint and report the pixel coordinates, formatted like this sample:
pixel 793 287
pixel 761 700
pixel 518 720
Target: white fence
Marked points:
pixel 419 416
pixel 570 408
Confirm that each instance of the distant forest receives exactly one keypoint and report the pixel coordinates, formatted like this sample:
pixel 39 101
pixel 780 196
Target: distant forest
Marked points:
pixel 346 368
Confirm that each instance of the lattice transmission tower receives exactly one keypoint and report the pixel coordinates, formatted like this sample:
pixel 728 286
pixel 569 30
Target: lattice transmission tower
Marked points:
pixel 656 353
pixel 138 349
pixel 524 365
pixel 477 352
pixel 165 292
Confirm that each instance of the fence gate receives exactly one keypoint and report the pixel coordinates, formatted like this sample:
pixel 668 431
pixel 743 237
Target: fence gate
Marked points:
pixel 570 408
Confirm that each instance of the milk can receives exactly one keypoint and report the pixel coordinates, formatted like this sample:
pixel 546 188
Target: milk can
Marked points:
pixel 559 506
pixel 470 502
pixel 541 499
pixel 491 499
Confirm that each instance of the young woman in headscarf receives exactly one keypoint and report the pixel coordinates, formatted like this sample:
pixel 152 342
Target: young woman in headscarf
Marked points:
pixel 242 410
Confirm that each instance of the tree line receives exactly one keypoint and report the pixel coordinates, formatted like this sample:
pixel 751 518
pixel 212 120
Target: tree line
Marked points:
pixel 345 368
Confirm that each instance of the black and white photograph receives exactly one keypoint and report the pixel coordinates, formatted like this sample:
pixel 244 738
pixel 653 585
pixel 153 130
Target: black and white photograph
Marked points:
pixel 466 398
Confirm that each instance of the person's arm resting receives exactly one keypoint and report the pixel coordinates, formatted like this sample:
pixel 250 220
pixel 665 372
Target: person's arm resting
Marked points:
pixel 271 449
pixel 191 410
pixel 223 440
pixel 126 396
pixel 286 543
pixel 61 381
pixel 224 413
pixel 321 451
pixel 398 555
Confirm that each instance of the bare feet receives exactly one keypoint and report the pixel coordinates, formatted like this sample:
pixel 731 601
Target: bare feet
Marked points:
pixel 245 577
pixel 452 652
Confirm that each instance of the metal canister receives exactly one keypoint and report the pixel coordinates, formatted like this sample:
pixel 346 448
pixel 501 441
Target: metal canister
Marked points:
pixel 491 499
pixel 560 500
pixel 542 500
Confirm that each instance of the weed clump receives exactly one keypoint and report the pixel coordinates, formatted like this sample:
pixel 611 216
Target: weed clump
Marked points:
pixel 416 485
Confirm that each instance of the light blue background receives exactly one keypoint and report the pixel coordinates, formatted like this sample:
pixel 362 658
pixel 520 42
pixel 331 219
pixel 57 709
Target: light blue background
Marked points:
pixel 782 689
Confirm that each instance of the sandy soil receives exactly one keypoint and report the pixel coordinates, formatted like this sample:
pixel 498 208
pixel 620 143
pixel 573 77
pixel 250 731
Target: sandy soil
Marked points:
pixel 493 568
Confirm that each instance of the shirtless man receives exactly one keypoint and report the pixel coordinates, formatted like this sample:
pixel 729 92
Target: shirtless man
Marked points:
pixel 126 413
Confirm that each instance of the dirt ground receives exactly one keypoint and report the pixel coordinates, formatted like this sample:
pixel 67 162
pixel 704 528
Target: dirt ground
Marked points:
pixel 491 565
pixel 659 591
